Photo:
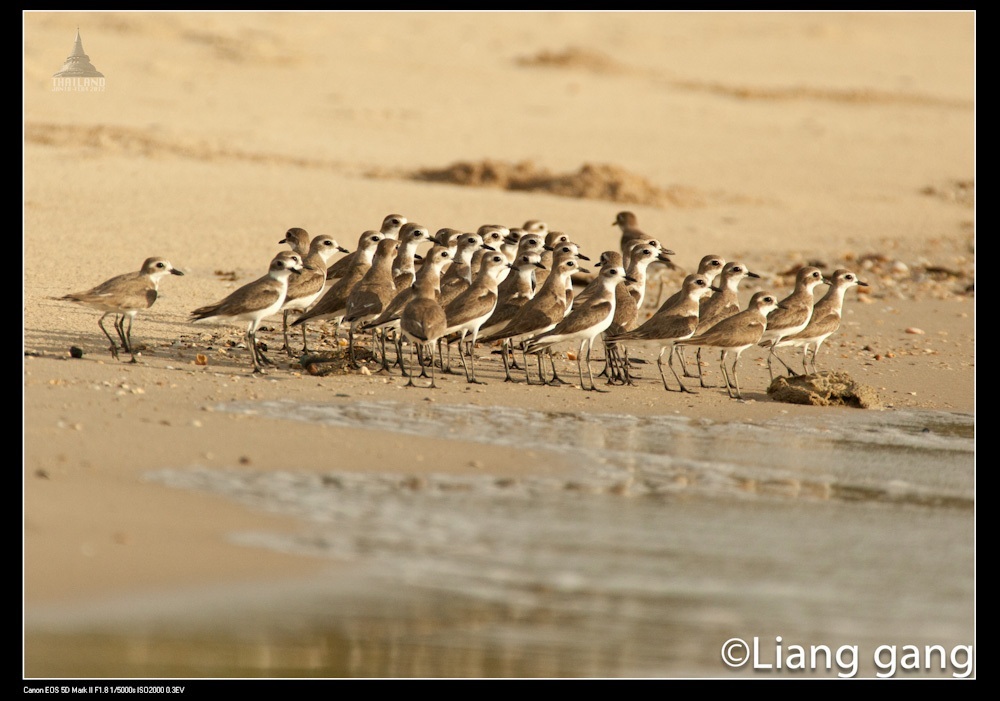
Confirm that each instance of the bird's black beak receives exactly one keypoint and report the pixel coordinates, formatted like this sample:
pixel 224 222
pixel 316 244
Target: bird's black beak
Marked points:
pixel 175 271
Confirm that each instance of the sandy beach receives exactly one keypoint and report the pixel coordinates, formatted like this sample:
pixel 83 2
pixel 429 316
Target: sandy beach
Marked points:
pixel 777 139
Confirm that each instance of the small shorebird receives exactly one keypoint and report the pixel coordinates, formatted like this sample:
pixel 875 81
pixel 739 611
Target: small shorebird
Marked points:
pixel 793 312
pixel 423 321
pixel 256 301
pixel 389 320
pixel 586 322
pixel 632 234
pixel 556 254
pixel 510 242
pixel 493 236
pixel 552 240
pixel 670 326
pixel 630 296
pixel 391 225
pixel 446 237
pixel 458 276
pixel 370 296
pixel 710 266
pixel 470 309
pixel 825 319
pixel 403 266
pixel 718 306
pixel 299 240
pixel 124 296
pixel 512 294
pixel 539 314
pixel 304 289
pixel 334 301
pixel 736 334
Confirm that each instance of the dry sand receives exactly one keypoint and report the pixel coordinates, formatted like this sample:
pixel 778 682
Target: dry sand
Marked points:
pixel 772 138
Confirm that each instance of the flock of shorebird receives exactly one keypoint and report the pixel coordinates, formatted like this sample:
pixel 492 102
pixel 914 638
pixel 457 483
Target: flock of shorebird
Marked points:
pixel 514 286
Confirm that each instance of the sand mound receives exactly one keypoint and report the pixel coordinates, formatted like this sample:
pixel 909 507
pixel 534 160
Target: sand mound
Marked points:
pixel 576 58
pixel 592 181
pixel 824 389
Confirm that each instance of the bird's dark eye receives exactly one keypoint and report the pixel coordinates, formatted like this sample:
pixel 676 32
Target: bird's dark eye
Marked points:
pixel 160 265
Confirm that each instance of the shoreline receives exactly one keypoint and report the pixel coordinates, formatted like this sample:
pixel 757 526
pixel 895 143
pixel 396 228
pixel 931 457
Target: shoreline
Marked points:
pixel 165 405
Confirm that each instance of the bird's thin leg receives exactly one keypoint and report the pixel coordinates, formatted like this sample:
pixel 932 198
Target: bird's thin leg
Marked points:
pixel 284 332
pixel 770 353
pixel 670 362
pixel 659 366
pixel 684 365
pixel 725 373
pixel 701 372
pixel 432 386
pixel 128 337
pixel 461 356
pixel 627 368
pixel 114 345
pixel 305 340
pixel 252 345
pixel 510 349
pixel 472 357
pixel 590 373
pixel 385 357
pixel 506 365
pixel 791 373
pixel 409 376
pixel 120 330
pixel 736 379
pixel 556 380
pixel 350 346
pixel 260 351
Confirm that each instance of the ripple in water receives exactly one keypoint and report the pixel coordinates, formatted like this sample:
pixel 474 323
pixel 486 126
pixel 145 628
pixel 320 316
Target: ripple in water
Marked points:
pixel 667 537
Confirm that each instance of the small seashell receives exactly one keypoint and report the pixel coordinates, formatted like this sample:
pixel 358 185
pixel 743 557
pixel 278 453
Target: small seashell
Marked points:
pixel 915 330
pixel 201 359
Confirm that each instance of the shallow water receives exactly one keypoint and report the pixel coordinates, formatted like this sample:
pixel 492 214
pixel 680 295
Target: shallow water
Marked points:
pixel 667 537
